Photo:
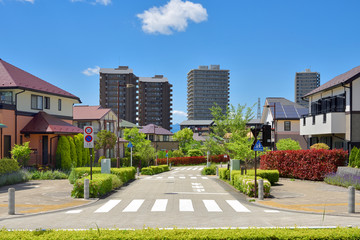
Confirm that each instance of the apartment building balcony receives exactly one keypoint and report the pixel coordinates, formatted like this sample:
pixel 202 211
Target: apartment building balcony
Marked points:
pixel 325 123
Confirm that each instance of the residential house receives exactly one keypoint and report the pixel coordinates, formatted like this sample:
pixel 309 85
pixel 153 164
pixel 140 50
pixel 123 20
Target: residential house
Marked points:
pixel 334 112
pixel 200 128
pixel 284 117
pixel 34 111
pixel 160 138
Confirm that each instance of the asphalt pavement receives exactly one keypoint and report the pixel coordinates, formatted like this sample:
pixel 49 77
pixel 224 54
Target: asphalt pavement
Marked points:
pixel 43 196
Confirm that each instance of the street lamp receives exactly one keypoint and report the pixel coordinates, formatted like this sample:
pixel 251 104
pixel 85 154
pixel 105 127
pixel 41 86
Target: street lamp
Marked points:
pixel 273 122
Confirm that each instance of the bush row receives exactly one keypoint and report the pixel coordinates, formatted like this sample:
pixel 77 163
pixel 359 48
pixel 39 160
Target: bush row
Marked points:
pixel 271 175
pixel 193 160
pixel 14 177
pixel 154 169
pixel 100 185
pixel 251 233
pixel 304 164
pixel 209 170
pixel 224 173
pixel 8 165
pixel 124 174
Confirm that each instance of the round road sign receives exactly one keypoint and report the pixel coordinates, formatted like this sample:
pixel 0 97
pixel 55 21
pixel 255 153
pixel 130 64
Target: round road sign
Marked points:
pixel 88 130
pixel 88 138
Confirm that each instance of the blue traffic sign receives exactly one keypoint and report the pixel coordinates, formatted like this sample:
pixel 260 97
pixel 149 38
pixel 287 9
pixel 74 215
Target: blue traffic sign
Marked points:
pixel 258 146
pixel 166 154
pixel 130 145
pixel 88 138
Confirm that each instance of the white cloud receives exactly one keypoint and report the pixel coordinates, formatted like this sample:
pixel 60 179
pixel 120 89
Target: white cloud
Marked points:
pixel 30 1
pixel 91 71
pixel 172 16
pixel 179 116
pixel 102 2
pixel 180 113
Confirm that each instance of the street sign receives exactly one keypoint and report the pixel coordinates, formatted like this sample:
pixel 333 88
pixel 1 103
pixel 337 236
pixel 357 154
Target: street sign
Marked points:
pixel 166 154
pixel 130 145
pixel 88 137
pixel 258 146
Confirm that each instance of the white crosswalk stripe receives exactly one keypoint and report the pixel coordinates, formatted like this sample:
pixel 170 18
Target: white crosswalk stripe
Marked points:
pixel 212 206
pixel 108 206
pixel 74 211
pixel 185 205
pixel 237 206
pixel 159 205
pixel 134 205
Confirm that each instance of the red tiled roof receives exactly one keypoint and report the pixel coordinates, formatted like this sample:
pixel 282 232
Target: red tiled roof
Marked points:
pixel 154 129
pixel 89 112
pixel 13 77
pixel 342 78
pixel 45 123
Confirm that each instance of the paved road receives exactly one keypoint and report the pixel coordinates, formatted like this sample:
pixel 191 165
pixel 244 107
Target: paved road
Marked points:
pixel 180 198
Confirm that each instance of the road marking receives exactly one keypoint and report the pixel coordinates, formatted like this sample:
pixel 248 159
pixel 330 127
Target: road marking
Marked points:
pixel 73 211
pixel 204 177
pixel 148 177
pixel 108 206
pixel 212 206
pixel 196 184
pixel 237 206
pixel 198 193
pixel 185 205
pixel 159 205
pixel 188 169
pixel 193 177
pixel 159 177
pixel 271 211
pixel 170 177
pixel 134 205
pixel 182 177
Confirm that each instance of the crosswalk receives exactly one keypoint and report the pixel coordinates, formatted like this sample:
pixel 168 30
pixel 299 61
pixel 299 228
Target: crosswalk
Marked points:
pixel 188 168
pixel 174 177
pixel 161 205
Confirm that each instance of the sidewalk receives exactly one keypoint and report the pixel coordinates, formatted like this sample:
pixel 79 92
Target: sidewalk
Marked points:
pixel 40 196
pixel 310 196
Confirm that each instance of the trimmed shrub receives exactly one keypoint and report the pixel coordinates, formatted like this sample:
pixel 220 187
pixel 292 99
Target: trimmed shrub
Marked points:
pixel 147 171
pixel 124 174
pixel 8 165
pixel 48 175
pixel 156 169
pixel 287 144
pixel 21 153
pixel 224 173
pixel 246 185
pixel 304 164
pixel 195 153
pixel 271 175
pixel 177 153
pixel 73 154
pixel 79 145
pixel 100 185
pixel 176 161
pixel 320 146
pixel 352 156
pixel 357 160
pixel 209 170
pixel 63 153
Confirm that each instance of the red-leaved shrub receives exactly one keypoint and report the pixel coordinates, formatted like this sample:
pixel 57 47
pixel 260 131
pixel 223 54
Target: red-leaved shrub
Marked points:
pixel 304 164
pixel 193 160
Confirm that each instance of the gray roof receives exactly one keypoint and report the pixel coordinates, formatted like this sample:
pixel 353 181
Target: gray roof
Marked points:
pixel 197 122
pixel 153 79
pixel 254 121
pixel 115 71
pixel 286 109
pixel 338 80
pixel 154 129
pixel 126 124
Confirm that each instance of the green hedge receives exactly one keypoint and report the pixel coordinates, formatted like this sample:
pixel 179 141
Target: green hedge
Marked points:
pixel 271 175
pixel 245 184
pixel 154 169
pixel 209 170
pixel 8 165
pixel 14 177
pixel 124 174
pixel 100 185
pixel 224 173
pixel 252 233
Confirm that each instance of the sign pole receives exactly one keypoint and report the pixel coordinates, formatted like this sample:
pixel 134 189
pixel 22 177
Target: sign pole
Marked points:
pixel 131 157
pixel 91 157
pixel 255 176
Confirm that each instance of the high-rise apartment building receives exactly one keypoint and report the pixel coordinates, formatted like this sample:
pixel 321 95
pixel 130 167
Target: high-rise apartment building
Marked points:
pixel 155 101
pixel 305 82
pixel 205 87
pixel 118 91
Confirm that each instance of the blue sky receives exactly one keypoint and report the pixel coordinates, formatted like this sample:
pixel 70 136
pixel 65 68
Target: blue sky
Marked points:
pixel 262 43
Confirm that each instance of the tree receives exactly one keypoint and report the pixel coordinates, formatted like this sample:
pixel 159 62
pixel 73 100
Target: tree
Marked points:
pixel 146 152
pixel 79 144
pixel 21 153
pixel 184 137
pixel 63 157
pixel 352 157
pixel 73 154
pixel 105 140
pixel 288 144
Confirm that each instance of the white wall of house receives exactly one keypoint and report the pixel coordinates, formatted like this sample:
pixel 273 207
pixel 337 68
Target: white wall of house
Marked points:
pixel 335 124
pixel 356 94
pixel 24 103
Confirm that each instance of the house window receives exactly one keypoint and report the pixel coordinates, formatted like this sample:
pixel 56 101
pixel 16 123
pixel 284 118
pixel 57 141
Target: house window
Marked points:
pixel 59 104
pixel 47 103
pixel 6 97
pixel 36 102
pixel 83 124
pixel 165 138
pixel 151 138
pixel 287 126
